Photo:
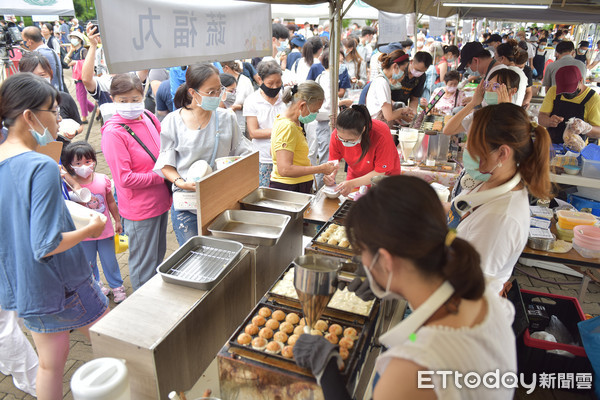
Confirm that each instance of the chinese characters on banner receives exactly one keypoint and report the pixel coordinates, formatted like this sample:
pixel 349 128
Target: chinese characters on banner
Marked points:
pixel 139 34
pixel 392 27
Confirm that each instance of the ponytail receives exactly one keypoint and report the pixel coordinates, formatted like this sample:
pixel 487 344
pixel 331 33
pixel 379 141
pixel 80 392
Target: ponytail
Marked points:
pixel 462 269
pixel 195 76
pixel 309 91
pixel 310 48
pixel 182 97
pixel 535 168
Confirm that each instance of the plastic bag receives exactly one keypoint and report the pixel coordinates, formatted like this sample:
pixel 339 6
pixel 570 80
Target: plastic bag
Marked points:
pixel 557 329
pixel 574 128
pixel 590 336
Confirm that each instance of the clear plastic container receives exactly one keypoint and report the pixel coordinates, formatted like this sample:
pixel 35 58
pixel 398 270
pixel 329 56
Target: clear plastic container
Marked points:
pixel 584 252
pixel 570 219
pixel 591 169
pixel 564 234
pixel 587 236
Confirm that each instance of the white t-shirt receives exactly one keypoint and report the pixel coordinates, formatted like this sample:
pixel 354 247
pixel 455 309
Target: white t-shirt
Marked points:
pixel 243 90
pixel 379 93
pixel 520 95
pixel 375 66
pixel 265 112
pixel 301 69
pixel 324 81
pixel 498 230
pixel 482 348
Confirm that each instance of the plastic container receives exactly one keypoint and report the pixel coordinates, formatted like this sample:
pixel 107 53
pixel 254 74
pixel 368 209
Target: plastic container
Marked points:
pixel 585 252
pixel 121 243
pixel 587 236
pixel 584 204
pixel 100 379
pixel 591 168
pixel 533 355
pixel 564 234
pixel 570 219
pixel 223 162
pixel 572 169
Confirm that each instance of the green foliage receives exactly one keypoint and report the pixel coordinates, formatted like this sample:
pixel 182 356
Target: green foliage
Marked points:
pixel 368 22
pixel 345 23
pixel 84 10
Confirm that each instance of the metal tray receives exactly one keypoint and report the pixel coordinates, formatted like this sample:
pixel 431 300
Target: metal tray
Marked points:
pixel 279 201
pixel 341 213
pixel 201 262
pixel 355 353
pixel 326 245
pixel 250 227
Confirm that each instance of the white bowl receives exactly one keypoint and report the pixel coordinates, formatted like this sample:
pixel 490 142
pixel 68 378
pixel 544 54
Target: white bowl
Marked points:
pixel 571 169
pixel 223 162
pixel 198 170
pixel 331 192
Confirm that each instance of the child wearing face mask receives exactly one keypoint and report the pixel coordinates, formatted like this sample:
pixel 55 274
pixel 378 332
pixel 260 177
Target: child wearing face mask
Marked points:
pixel 79 159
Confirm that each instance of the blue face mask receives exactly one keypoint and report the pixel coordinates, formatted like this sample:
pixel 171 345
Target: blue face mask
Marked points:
pixel 472 168
pixel 491 98
pixel 43 138
pixel 398 76
pixel 209 103
pixel 282 46
pixel 309 118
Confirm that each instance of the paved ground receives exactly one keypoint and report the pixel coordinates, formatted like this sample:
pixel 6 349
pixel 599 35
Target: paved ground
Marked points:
pixel 81 350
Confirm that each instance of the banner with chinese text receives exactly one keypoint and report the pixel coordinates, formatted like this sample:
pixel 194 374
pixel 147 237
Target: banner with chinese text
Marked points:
pixel 142 34
pixel 36 7
pixel 392 27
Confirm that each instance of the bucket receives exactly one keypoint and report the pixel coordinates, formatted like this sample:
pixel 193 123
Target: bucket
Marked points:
pixel 101 379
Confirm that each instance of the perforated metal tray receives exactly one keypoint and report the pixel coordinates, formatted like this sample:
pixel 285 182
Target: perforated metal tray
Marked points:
pixel 201 262
pixel 341 213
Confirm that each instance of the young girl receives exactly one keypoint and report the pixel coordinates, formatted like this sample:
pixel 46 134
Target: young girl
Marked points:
pixel 79 159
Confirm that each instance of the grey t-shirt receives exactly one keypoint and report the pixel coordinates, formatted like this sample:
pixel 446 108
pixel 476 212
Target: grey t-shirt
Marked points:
pixel 556 65
pixel 180 146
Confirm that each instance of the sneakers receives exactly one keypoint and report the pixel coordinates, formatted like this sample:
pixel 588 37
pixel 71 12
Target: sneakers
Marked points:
pixel 119 294
pixel 104 289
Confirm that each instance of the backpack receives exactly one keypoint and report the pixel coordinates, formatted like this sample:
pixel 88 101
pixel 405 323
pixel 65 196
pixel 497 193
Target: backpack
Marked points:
pixel 63 54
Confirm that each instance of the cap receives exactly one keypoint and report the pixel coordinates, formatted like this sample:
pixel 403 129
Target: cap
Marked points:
pixel 468 51
pixel 78 35
pixel 494 37
pixel 567 79
pixel 298 40
pixel 407 43
pixel 388 48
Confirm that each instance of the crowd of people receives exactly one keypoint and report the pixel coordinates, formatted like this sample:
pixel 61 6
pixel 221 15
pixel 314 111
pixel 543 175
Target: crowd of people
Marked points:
pixel 157 123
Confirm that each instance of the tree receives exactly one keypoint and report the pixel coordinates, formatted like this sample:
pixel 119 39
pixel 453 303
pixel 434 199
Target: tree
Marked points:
pixel 85 10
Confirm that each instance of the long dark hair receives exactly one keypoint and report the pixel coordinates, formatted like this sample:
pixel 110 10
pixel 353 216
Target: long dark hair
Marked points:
pixel 24 91
pixel 310 48
pixel 195 76
pixel 357 119
pixel 386 217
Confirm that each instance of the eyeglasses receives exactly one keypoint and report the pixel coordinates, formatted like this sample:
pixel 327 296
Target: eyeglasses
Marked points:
pixel 347 141
pixel 213 93
pixel 55 112
pixel 488 85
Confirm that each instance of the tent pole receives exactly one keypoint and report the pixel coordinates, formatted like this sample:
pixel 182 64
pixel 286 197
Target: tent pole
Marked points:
pixel 455 42
pixel 335 9
pixel 416 24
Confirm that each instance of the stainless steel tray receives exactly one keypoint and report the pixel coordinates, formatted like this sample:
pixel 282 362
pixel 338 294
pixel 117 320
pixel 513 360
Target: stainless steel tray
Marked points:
pixel 250 227
pixel 201 262
pixel 276 200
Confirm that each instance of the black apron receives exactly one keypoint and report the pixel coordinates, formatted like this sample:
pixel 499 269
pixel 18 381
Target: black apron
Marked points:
pixel 567 110
pixel 539 62
pixel 582 57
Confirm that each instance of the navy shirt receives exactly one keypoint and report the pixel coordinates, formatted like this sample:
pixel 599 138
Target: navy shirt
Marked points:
pixel 34 213
pixel 164 100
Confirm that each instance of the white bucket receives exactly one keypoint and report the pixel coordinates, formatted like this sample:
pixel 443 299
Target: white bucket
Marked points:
pixel 101 379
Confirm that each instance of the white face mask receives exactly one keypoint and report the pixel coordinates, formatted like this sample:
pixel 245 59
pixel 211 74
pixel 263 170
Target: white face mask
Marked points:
pixel 451 89
pixel 129 110
pixel 416 73
pixel 377 290
pixel 84 171
pixel 75 42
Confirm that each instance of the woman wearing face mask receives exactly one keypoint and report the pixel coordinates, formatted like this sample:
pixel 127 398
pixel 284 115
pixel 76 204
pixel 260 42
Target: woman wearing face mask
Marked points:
pixel 445 65
pixel 452 97
pixel 291 166
pixel 367 147
pixel 230 85
pixel 77 54
pixel 501 160
pixel 456 324
pixel 379 97
pixel 38 64
pixel 197 130
pixel 260 109
pixel 507 54
pixel 143 199
pixel 46 278
pixel 355 65
pixel 500 88
pixel 243 89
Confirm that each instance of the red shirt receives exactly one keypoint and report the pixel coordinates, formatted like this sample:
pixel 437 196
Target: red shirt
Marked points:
pixel 382 155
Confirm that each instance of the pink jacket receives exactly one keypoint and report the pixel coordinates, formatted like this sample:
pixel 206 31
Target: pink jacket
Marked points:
pixel 141 193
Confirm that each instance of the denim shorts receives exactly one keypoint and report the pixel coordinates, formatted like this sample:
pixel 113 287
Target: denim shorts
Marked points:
pixel 83 306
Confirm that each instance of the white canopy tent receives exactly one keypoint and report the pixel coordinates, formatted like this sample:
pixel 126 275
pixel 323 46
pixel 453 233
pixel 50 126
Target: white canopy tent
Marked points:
pixel 23 7
pixel 358 10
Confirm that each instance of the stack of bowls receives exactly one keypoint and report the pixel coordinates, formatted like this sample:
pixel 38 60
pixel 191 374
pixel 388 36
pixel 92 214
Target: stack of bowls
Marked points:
pixel 567 220
pixel 586 240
